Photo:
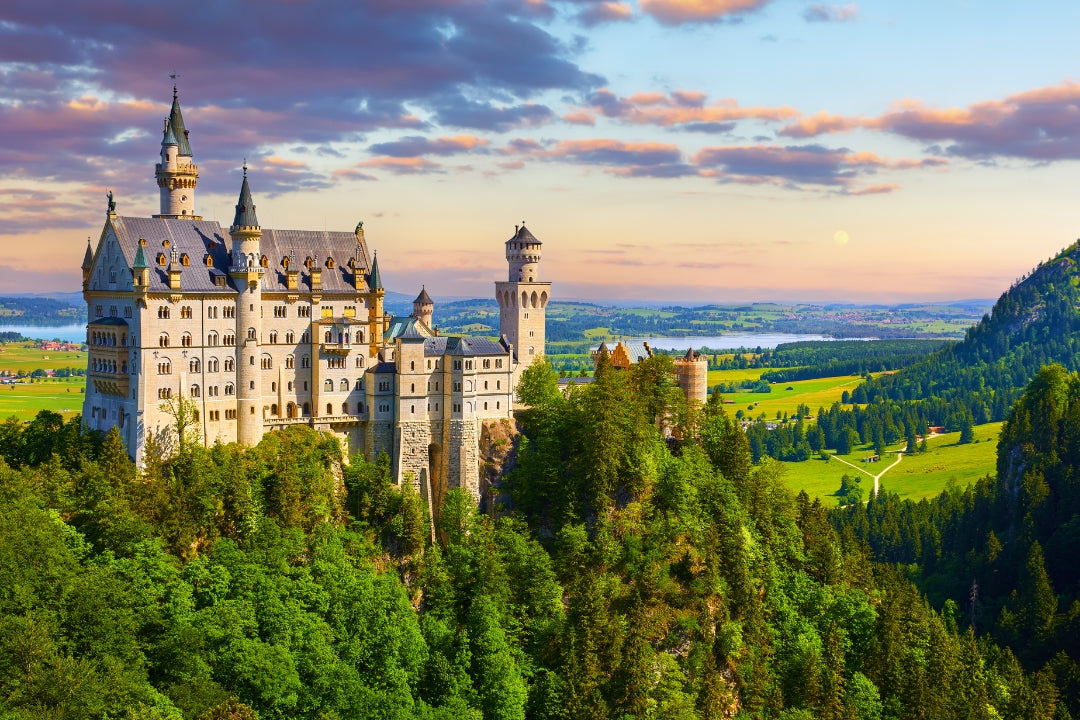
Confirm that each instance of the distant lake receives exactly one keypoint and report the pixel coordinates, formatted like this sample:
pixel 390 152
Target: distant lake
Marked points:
pixel 732 341
pixel 67 333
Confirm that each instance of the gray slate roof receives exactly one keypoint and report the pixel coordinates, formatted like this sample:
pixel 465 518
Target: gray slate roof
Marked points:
pixel 199 238
pixel 245 207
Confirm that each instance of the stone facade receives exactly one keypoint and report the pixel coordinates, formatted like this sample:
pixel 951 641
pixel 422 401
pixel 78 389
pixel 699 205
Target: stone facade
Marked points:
pixel 260 328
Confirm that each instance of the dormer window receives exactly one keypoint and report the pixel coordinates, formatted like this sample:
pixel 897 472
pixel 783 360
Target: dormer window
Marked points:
pixel 330 263
pixel 209 260
pixel 264 261
pixel 165 243
pixel 161 259
pixel 308 263
pixel 285 262
pixel 185 260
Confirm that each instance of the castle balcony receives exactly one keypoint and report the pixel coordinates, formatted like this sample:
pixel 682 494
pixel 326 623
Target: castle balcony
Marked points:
pixel 335 348
pixel 110 383
pixel 283 421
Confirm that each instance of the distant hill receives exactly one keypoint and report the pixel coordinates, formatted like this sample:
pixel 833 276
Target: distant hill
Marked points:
pixel 1036 322
pixel 40 311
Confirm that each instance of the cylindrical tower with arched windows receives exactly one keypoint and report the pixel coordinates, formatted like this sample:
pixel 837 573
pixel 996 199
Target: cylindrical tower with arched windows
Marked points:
pixel 246 271
pixel 523 299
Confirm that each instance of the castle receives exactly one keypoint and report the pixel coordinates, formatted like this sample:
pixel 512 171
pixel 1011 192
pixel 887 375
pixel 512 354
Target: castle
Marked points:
pixel 262 328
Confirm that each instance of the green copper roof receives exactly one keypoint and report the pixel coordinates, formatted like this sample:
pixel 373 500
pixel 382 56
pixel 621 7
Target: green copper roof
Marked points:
pixel 175 128
pixel 245 207
pixel 140 259
pixel 374 281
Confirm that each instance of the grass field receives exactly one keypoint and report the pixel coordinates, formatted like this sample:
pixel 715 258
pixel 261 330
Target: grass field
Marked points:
pixel 24 356
pixel 25 399
pixel 922 475
pixel 821 392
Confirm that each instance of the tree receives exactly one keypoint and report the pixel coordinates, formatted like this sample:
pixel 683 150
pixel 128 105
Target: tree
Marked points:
pixel 967 431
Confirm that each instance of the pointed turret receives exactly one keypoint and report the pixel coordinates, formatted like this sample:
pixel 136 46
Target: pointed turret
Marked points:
pixel 175 127
pixel 140 268
pixel 176 174
pixel 245 207
pixel 376 318
pixel 87 263
pixel 374 281
pixel 423 307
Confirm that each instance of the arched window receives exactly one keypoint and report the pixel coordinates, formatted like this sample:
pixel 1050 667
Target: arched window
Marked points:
pixel 329 385
pixel 290 338
pixel 229 389
pixel 267 362
pixel 212 365
pixel 251 335
pixel 307 409
pixel 328 337
pixel 289 361
pixel 329 409
pixel 273 337
pixel 273 409
pixel 212 338
pixel 194 391
pixel 359 384
pixel 193 366
pixel 228 364
pixel 290 410
pixel 185 340
pixel 359 361
pixel 344 408
pixel 163 340
pixel 344 385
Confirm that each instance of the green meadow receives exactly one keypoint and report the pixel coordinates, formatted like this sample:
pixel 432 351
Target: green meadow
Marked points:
pixel 785 397
pixel 922 475
pixel 25 399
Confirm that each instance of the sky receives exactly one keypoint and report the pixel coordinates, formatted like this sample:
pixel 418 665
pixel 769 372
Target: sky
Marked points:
pixel 661 150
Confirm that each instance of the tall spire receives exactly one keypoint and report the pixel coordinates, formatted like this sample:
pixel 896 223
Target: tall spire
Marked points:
pixel 375 282
pixel 175 132
pixel 245 206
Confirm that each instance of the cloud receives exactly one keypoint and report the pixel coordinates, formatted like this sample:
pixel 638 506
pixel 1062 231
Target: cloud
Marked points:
pixel 605 151
pixel 793 166
pixel 681 109
pixel 413 146
pixel 681 12
pixel 596 13
pixel 874 190
pixel 402 165
pixel 1042 124
pixel 831 13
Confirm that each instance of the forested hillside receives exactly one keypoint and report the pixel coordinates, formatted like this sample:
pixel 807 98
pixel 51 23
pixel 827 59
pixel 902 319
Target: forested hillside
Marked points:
pixel 1036 322
pixel 631 578
pixel 1001 555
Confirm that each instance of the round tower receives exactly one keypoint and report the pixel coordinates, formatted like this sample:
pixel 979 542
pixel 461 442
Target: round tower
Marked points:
pixel 523 300
pixel 177 173
pixel 246 271
pixel 423 307
pixel 523 255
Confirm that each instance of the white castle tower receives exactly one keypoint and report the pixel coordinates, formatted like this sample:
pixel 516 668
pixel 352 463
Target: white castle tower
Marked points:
pixel 523 299
pixel 246 271
pixel 177 173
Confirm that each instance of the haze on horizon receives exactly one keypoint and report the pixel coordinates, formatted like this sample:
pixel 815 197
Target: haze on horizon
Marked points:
pixel 662 150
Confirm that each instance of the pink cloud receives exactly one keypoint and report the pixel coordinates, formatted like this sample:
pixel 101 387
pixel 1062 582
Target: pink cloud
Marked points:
pixel 680 12
pixel 1042 124
pixel 680 108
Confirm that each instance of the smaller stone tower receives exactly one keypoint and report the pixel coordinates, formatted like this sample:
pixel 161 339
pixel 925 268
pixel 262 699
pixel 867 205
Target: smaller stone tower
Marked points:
pixel 523 299
pixel 246 271
pixel 423 307
pixel 177 173
pixel 692 376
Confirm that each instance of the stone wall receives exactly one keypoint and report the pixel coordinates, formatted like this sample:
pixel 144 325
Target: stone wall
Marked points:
pixel 463 457
pixel 498 455
pixel 412 440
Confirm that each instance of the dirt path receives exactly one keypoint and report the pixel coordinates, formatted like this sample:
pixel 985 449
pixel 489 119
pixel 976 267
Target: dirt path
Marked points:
pixel 877 478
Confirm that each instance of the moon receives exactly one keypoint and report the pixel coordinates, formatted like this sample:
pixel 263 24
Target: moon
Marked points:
pixel 840 238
